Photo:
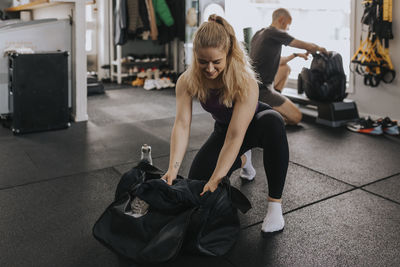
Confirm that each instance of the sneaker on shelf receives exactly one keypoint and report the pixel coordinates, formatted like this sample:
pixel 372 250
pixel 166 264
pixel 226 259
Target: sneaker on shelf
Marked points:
pixel 389 126
pixel 124 60
pixel 149 84
pixel 164 83
pixel 365 125
pixel 168 82
pixel 146 35
pixel 149 73
pixel 156 73
pixel 158 84
pixel 138 82
pixel 142 74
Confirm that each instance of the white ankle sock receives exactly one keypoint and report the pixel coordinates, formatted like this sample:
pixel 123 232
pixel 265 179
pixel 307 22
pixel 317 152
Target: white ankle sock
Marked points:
pixel 274 219
pixel 248 172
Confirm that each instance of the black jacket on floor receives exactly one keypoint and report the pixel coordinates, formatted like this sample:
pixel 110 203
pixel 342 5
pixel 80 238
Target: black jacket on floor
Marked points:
pixel 179 219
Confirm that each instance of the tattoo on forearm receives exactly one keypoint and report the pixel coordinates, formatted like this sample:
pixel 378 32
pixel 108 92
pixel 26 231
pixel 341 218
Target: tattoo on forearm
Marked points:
pixel 176 165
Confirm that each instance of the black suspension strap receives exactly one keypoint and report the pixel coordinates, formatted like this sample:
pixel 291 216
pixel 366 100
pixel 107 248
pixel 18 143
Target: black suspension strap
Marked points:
pixel 372 58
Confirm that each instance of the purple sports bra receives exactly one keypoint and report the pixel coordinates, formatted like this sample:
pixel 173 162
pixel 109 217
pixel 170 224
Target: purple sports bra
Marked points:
pixel 218 111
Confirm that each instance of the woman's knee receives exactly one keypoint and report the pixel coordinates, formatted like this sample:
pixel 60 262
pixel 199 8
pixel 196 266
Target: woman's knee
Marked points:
pixel 271 125
pixel 271 118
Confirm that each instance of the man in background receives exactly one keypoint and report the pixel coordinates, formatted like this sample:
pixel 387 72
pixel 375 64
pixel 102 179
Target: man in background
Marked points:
pixel 265 52
pixel 273 70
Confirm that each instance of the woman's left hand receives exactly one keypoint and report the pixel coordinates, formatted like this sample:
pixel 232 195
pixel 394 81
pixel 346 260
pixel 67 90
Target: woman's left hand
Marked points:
pixel 211 186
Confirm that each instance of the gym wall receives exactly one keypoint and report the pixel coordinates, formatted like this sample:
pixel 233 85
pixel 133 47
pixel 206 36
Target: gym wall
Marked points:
pixel 383 100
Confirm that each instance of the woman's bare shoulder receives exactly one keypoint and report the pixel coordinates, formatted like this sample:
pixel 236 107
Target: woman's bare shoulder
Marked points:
pixel 183 78
pixel 252 90
pixel 183 81
pixel 182 84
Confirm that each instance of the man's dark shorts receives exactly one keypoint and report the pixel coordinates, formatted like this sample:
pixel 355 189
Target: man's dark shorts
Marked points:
pixel 269 96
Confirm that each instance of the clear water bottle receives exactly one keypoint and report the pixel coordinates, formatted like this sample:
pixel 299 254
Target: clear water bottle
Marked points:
pixel 146 154
pixel 140 207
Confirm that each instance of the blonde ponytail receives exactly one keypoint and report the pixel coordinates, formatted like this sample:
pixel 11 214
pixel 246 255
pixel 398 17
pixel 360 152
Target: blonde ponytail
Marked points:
pixel 218 33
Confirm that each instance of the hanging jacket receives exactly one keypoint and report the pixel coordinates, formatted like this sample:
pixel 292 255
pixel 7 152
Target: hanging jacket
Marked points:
pixel 144 15
pixel 178 219
pixel 134 20
pixel 121 17
pixel 152 20
pixel 163 14
pixel 177 30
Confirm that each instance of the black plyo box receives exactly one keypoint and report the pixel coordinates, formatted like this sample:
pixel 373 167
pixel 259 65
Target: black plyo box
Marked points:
pixel 38 91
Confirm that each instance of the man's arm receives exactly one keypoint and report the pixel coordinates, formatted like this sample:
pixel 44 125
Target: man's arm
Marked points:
pixel 310 47
pixel 285 60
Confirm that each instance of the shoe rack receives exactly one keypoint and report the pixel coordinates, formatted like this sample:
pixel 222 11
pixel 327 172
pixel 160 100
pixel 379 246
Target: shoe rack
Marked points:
pixel 117 64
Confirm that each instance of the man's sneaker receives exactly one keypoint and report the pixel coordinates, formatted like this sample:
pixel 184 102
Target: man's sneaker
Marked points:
pixel 367 126
pixel 389 126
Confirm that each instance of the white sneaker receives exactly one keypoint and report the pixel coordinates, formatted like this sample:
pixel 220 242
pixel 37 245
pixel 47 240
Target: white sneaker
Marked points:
pixel 273 221
pixel 158 84
pixel 168 82
pixel 149 84
pixel 149 73
pixel 156 73
pixel 162 83
pixel 142 74
pixel 247 172
pixel 146 35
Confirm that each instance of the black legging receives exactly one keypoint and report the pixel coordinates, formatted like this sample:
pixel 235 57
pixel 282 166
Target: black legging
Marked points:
pixel 267 131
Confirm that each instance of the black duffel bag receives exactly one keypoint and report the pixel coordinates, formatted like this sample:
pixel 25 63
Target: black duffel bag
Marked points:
pixel 325 81
pixel 178 218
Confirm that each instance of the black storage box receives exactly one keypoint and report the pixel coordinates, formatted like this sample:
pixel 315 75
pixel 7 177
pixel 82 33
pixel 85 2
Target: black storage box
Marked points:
pixel 38 91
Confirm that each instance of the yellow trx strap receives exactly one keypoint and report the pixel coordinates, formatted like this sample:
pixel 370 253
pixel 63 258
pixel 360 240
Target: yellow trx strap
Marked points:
pixel 384 53
pixel 385 8
pixel 372 57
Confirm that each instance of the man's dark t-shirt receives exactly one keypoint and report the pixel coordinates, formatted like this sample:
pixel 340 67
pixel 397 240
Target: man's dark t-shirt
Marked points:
pixel 265 51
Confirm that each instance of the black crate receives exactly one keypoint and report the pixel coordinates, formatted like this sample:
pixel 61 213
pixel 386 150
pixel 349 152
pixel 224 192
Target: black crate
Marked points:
pixel 38 86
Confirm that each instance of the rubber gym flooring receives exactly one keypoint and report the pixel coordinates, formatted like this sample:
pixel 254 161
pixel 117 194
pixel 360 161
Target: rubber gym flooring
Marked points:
pixel 341 200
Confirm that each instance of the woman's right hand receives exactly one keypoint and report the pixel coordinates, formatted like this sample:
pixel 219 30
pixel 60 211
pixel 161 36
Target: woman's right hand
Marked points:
pixel 169 177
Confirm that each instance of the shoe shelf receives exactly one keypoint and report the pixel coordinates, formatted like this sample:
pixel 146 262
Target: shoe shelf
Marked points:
pixel 119 64
pixel 145 65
